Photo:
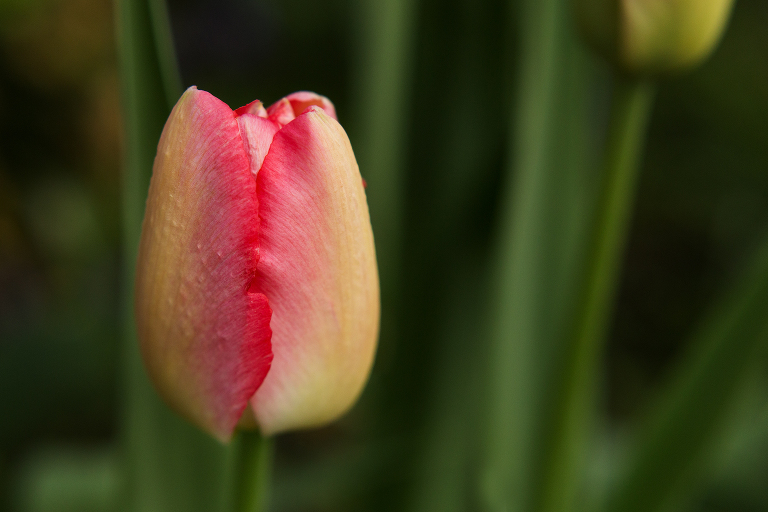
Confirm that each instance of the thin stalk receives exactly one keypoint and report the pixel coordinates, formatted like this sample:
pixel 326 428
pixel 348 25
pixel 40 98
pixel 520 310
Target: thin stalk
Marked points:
pixel 252 472
pixel 166 51
pixel 574 407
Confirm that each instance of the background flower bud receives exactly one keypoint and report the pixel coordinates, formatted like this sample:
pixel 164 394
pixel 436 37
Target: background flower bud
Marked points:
pixel 645 37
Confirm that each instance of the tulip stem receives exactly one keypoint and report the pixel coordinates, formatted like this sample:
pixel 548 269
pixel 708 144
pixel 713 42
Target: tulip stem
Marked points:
pixel 570 422
pixel 252 472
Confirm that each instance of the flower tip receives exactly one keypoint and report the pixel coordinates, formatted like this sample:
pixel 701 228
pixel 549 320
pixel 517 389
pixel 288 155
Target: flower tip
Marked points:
pixel 255 107
pixel 302 100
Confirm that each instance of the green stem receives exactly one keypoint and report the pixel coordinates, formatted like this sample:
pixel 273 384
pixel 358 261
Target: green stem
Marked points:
pixel 574 406
pixel 252 472
pixel 166 51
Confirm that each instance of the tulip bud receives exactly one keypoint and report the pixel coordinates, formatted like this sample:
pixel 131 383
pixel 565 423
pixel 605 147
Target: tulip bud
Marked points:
pixel 645 37
pixel 257 295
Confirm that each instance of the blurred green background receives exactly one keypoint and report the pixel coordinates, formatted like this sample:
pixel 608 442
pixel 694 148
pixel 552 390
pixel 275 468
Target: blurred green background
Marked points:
pixel 703 197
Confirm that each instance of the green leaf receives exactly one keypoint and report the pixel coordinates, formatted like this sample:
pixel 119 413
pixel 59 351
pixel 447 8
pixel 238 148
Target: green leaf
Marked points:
pixel 542 235
pixel 68 479
pixel 382 96
pixel 683 426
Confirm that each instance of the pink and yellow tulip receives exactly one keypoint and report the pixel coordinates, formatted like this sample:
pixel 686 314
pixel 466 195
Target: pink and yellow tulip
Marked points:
pixel 257 294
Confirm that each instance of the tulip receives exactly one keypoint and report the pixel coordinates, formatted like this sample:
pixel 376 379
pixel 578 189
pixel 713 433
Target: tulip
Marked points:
pixel 647 37
pixel 257 294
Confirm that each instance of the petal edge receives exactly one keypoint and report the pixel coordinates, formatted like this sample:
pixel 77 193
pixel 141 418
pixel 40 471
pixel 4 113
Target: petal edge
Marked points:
pixel 204 337
pixel 318 268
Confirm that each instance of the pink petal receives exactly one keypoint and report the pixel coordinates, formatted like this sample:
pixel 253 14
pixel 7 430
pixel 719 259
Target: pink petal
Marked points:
pixel 302 100
pixel 255 107
pixel 205 337
pixel 257 133
pixel 318 268
pixel 281 112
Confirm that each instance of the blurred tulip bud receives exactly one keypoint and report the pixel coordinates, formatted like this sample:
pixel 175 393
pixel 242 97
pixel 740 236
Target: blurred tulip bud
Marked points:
pixel 646 37
pixel 257 294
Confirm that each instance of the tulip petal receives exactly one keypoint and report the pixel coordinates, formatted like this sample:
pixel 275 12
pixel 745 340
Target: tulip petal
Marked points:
pixel 318 267
pixel 281 112
pixel 255 107
pixel 302 100
pixel 257 133
pixel 204 334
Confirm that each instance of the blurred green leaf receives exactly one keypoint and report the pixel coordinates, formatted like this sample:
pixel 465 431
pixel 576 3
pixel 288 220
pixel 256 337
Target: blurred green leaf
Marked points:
pixel 381 106
pixel 737 467
pixel 68 480
pixel 545 206
pixel 165 51
pixel 683 426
